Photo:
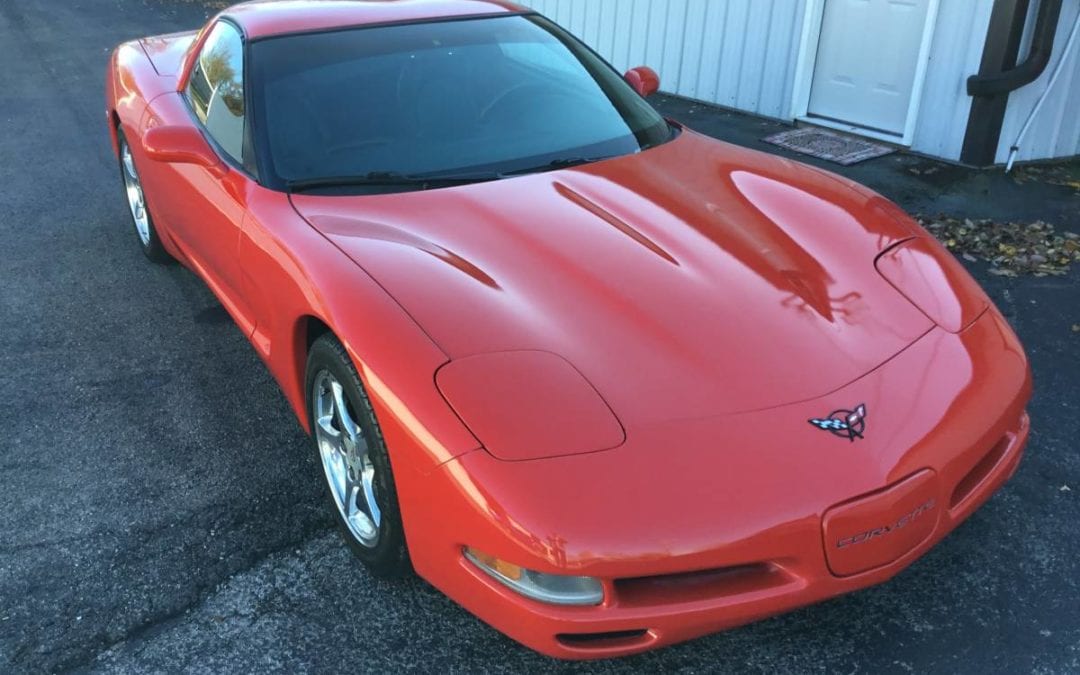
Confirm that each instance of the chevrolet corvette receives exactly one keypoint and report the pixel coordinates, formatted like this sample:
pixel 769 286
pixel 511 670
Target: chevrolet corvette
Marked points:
pixel 606 382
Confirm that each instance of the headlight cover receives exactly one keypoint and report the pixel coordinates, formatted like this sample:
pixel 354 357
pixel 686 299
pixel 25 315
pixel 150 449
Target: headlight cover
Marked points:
pixel 933 280
pixel 526 405
pixel 549 588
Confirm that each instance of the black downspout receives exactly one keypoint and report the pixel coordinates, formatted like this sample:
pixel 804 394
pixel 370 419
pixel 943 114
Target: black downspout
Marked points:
pixel 999 74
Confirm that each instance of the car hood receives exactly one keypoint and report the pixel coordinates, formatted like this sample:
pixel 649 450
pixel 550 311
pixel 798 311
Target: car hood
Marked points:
pixel 693 279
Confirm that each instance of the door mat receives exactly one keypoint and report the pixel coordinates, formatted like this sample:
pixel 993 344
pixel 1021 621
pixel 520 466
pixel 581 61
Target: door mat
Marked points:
pixel 839 148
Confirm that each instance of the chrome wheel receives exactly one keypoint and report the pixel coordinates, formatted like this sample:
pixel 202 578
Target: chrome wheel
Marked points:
pixel 346 459
pixel 136 201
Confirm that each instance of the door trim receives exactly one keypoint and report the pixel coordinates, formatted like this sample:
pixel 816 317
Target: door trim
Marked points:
pixel 809 41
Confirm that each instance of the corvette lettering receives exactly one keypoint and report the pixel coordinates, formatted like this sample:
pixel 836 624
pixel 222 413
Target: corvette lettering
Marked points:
pixel 904 521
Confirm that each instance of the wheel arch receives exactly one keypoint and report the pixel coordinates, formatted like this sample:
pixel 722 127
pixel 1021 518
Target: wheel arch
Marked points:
pixel 114 130
pixel 306 330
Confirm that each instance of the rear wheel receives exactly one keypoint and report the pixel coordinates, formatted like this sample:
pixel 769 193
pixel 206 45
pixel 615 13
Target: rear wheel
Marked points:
pixel 354 460
pixel 136 199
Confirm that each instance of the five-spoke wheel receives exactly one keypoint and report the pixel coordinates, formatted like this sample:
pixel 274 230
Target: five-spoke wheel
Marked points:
pixel 136 199
pixel 346 459
pixel 354 459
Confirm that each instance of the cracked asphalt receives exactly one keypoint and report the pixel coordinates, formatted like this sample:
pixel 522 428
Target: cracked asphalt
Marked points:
pixel 160 507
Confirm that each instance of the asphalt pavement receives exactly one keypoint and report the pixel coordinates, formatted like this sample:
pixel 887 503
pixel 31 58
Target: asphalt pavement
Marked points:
pixel 160 507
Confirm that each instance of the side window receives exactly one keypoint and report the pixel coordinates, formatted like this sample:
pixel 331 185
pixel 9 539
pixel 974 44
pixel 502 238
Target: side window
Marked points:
pixel 216 88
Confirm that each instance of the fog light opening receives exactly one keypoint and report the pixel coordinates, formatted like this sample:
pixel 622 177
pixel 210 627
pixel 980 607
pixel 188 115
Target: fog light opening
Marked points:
pixel 609 640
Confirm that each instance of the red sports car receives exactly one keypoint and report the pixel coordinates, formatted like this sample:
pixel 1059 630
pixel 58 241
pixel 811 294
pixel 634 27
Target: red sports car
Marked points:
pixel 607 383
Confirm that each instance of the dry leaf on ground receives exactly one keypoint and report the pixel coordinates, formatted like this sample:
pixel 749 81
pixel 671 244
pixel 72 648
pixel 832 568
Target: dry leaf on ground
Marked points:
pixel 1012 249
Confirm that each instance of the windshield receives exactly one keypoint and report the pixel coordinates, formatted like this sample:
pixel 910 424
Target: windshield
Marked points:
pixel 448 99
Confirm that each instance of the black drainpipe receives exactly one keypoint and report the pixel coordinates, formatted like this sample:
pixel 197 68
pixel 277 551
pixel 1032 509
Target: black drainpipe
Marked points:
pixel 999 74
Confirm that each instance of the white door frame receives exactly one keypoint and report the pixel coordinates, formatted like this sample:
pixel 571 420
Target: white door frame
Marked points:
pixel 813 18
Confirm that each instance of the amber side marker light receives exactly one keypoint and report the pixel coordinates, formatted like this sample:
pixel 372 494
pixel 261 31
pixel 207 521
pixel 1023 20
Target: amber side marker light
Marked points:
pixel 554 589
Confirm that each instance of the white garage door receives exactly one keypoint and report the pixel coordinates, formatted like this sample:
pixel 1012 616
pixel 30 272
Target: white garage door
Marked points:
pixel 868 61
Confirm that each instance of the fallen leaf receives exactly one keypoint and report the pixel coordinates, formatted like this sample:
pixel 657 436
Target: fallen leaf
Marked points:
pixel 1012 248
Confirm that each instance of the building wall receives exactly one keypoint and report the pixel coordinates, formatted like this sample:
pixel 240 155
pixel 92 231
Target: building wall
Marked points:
pixel 955 54
pixel 1055 131
pixel 743 54
pixel 736 53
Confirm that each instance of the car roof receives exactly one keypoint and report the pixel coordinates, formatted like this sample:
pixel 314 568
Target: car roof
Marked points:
pixel 264 18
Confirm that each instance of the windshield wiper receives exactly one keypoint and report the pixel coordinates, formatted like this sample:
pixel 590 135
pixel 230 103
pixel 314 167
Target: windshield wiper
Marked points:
pixel 554 165
pixel 430 180
pixel 389 179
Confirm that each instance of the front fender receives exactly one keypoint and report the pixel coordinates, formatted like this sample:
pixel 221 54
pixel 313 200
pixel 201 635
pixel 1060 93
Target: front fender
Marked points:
pixel 292 273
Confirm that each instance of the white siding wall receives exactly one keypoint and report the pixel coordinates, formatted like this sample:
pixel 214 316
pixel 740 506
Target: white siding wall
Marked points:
pixel 743 53
pixel 1055 132
pixel 955 55
pixel 737 53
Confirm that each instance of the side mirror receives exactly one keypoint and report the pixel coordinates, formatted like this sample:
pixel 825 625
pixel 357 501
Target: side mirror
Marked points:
pixel 644 80
pixel 182 145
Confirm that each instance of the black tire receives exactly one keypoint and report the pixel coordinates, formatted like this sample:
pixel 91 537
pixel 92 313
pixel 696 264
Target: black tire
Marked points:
pixel 152 248
pixel 388 557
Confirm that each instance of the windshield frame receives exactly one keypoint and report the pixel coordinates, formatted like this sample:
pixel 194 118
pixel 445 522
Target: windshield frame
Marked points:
pixel 594 64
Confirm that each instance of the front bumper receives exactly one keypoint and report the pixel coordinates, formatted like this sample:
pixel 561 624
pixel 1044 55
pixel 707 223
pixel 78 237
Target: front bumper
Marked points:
pixel 682 554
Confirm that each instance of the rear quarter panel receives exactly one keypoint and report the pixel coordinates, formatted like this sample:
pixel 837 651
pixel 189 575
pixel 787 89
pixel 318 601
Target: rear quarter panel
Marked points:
pixel 131 85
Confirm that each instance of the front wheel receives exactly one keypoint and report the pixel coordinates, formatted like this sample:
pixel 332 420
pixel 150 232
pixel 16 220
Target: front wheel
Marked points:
pixel 355 463
pixel 136 199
